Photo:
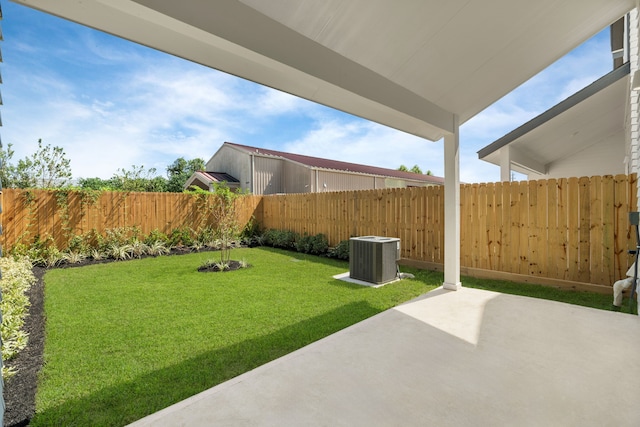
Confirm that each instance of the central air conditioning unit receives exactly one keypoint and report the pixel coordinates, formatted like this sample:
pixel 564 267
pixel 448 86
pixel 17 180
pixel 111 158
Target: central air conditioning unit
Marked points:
pixel 373 258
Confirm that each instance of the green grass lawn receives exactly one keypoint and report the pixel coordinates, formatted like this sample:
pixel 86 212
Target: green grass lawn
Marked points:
pixel 126 339
pixel 586 299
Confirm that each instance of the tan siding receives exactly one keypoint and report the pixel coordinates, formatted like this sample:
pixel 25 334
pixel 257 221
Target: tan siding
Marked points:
pixel 338 181
pixel 345 181
pixel 234 162
pixel 296 178
pixel 269 177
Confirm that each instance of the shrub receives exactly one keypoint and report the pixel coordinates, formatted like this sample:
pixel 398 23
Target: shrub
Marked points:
pixel 204 237
pixel 281 238
pixel 96 254
pixel 79 244
pixel 303 244
pixel 315 245
pixel 138 248
pixel 42 252
pixel 251 230
pixel 119 236
pixel 340 251
pixel 51 258
pixel 319 244
pixel 73 257
pixel 181 237
pixel 119 252
pixel 158 248
pixel 213 264
pixel 209 263
pixel 17 278
pixel 156 236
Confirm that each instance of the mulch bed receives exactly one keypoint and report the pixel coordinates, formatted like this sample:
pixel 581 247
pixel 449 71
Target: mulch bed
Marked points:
pixel 20 390
pixel 231 266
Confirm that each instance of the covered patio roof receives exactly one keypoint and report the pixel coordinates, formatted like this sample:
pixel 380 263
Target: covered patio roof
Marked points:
pixel 407 64
pixel 420 66
pixel 593 115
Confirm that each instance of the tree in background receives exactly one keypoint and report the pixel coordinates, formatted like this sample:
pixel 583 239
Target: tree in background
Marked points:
pixel 52 167
pixel 48 167
pixel 96 184
pixel 179 172
pixel 414 169
pixel 7 170
pixel 138 179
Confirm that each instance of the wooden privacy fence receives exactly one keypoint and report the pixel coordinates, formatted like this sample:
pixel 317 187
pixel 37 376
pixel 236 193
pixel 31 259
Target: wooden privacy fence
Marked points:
pixel 61 213
pixel 573 229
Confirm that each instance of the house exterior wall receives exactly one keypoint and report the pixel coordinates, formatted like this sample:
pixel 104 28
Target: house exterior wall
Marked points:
pixel 235 163
pixel 337 181
pixel 345 181
pixel 262 174
pixel 603 158
pixel 268 176
pixel 297 178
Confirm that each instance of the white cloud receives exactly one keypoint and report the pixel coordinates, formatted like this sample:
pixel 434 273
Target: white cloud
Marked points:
pixel 271 102
pixel 111 104
pixel 359 141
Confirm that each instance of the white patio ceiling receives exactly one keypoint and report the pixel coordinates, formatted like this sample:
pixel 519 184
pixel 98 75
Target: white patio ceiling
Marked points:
pixel 408 64
pixel 594 114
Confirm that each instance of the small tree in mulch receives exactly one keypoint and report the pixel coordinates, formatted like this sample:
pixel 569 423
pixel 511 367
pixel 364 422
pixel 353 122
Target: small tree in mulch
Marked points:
pixel 224 213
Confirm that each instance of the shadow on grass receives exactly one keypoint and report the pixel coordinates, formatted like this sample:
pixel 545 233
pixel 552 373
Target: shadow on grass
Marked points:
pixel 129 401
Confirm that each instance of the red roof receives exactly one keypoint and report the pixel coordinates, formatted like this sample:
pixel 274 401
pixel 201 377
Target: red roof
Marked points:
pixel 317 162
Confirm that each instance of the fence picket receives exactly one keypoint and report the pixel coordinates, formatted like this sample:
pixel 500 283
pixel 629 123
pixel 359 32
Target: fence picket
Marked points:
pixel 542 214
pixel 513 256
pixel 595 231
pixel 494 221
pixel 552 228
pixel 503 224
pixel 563 241
pixel 534 230
pixel 572 229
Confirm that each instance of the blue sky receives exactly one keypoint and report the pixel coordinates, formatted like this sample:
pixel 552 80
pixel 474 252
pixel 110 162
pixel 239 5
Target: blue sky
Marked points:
pixel 112 104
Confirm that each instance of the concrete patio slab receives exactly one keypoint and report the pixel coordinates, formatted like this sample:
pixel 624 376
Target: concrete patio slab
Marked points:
pixel 465 358
pixel 346 278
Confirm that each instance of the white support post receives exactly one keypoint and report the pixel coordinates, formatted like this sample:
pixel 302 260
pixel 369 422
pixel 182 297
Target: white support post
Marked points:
pixel 505 164
pixel 452 209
